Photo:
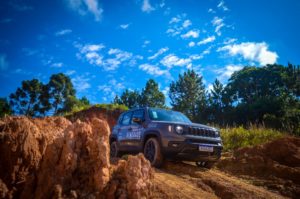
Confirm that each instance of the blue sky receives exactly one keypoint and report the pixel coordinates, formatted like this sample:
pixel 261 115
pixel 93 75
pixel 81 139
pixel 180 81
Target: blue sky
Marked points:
pixel 106 46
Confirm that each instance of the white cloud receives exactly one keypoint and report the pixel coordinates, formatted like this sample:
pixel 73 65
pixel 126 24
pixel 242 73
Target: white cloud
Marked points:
pixel 63 32
pixel 145 44
pixel 252 51
pixel 191 44
pixel 187 23
pixel 191 34
pixel 70 72
pixel 153 70
pixel 227 71
pixel 222 6
pixel 81 83
pixel 56 65
pixel 165 91
pixel 3 62
pixel 159 52
pixel 210 10
pixel 175 20
pixel 109 60
pixel 172 60
pixel 111 88
pixel 146 7
pixel 207 40
pixel 124 26
pixel 218 23
pixel 86 6
pixel 229 40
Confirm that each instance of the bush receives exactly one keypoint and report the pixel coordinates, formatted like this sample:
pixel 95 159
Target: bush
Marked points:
pixel 234 138
pixel 112 106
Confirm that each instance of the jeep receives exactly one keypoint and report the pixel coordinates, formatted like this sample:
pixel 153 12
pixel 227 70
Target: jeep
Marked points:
pixel 165 134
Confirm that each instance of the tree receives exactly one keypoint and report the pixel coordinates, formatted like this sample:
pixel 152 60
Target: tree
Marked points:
pixel 216 103
pixel 4 107
pixel 151 96
pixel 60 89
pixel 187 95
pixel 26 99
pixel 129 98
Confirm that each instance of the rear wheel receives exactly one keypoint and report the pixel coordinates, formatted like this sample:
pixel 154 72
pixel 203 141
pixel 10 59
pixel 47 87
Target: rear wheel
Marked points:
pixel 114 151
pixel 152 152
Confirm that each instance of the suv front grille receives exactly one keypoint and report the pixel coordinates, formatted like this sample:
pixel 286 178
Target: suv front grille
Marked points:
pixel 200 132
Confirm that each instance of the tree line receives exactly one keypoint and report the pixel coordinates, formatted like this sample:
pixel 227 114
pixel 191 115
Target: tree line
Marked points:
pixel 268 95
pixel 34 98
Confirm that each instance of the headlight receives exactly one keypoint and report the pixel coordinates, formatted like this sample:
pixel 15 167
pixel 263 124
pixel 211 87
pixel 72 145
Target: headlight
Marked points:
pixel 179 129
pixel 217 133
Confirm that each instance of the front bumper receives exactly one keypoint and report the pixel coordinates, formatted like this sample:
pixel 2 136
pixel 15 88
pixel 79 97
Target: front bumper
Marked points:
pixel 189 150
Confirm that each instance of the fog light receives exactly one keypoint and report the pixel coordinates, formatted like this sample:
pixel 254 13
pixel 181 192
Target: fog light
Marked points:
pixel 175 145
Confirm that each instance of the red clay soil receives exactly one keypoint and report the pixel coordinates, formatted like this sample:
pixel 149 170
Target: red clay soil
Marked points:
pixel 111 116
pixel 53 158
pixel 274 165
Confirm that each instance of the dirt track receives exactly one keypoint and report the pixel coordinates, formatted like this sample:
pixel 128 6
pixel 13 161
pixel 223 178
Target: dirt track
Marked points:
pixel 181 180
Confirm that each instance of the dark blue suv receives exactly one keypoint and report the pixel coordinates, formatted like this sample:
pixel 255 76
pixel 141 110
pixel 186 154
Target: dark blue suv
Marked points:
pixel 164 134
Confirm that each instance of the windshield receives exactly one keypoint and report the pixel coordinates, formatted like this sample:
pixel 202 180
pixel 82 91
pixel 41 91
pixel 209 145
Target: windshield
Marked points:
pixel 166 115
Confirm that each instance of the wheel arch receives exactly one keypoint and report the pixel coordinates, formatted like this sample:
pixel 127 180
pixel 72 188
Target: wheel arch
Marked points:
pixel 151 134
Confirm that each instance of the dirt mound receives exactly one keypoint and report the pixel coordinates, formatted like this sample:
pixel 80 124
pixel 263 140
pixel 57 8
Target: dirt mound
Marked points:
pixel 52 158
pixel 111 116
pixel 275 165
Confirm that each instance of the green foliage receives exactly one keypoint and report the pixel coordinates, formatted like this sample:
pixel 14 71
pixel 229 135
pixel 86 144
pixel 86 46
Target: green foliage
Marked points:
pixel 151 96
pixel 61 92
pixel 187 94
pixel 121 107
pixel 4 107
pixel 128 98
pixel 25 100
pixel 234 138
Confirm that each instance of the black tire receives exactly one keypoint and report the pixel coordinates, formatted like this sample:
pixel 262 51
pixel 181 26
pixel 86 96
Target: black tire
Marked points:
pixel 207 165
pixel 114 151
pixel 152 152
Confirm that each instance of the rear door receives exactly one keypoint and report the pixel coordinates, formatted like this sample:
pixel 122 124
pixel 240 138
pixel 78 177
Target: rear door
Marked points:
pixel 137 129
pixel 123 130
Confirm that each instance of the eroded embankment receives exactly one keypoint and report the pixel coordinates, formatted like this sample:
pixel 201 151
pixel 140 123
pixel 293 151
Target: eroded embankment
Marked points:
pixel 54 158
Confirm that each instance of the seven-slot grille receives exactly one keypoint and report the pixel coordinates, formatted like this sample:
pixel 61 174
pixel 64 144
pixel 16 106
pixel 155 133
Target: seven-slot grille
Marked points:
pixel 200 132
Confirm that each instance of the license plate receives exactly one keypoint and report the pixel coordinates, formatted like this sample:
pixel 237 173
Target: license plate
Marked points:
pixel 206 148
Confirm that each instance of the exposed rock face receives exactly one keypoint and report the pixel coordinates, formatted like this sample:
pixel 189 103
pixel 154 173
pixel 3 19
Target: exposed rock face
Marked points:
pixel 23 142
pixel 131 179
pixel 53 158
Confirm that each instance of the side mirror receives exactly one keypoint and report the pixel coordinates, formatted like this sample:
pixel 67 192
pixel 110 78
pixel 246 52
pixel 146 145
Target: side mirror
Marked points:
pixel 137 120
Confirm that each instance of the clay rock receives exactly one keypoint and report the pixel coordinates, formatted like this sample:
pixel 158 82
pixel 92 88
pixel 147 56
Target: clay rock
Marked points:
pixel 78 162
pixel 4 192
pixel 22 144
pixel 131 179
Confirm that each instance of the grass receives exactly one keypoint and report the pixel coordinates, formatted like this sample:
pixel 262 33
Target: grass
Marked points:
pixel 234 138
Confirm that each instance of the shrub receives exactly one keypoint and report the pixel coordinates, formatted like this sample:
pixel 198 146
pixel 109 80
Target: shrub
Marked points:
pixel 234 138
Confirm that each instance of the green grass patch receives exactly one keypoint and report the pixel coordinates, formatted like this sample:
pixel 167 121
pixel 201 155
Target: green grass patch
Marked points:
pixel 112 106
pixel 234 138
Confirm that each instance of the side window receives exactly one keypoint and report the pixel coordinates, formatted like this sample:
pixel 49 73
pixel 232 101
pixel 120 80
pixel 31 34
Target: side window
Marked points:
pixel 138 114
pixel 120 119
pixel 126 118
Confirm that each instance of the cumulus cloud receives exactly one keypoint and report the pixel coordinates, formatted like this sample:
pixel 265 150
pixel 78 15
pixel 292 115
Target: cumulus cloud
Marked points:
pixel 56 65
pixel 218 23
pixel 252 51
pixel 81 83
pixel 207 40
pixel 178 24
pixel 191 34
pixel 109 60
pixel 63 32
pixel 191 44
pixel 111 88
pixel 172 60
pixel 146 43
pixel 83 7
pixel 124 26
pixel 3 62
pixel 186 23
pixel 225 72
pixel 146 6
pixel 159 52
pixel 222 6
pixel 153 70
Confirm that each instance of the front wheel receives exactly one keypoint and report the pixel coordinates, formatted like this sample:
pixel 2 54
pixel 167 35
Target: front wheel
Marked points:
pixel 152 152
pixel 114 151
